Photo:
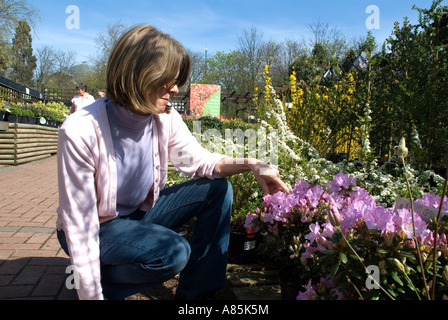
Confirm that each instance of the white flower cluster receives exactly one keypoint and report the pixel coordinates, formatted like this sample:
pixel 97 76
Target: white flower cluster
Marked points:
pixel 303 162
pixel 275 144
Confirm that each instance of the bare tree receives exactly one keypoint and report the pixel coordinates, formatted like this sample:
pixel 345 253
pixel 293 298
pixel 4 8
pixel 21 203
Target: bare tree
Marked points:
pixel 272 51
pixel 250 46
pixel 105 41
pixel 14 11
pixel 64 61
pixel 197 67
pixel 292 49
pixel 332 40
pixel 46 58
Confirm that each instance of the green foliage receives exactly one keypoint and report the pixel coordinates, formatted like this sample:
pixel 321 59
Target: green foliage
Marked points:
pixel 247 194
pixel 52 110
pixel 401 92
pixel 409 89
pixel 12 13
pixel 220 124
pixel 24 62
pixel 56 111
pixel 246 191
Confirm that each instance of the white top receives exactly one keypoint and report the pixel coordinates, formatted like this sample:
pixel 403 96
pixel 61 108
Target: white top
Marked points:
pixel 81 102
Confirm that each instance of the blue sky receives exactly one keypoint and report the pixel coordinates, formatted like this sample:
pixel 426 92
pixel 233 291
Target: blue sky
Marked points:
pixel 214 24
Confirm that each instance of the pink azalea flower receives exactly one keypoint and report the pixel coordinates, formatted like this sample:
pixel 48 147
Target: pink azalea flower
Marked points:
pixel 308 294
pixel 341 180
pixel 333 213
pixel 403 221
pixel 314 234
pixel 249 223
pixel 433 201
pixel 298 219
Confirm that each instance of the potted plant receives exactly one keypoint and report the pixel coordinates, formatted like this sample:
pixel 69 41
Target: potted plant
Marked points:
pixel 27 116
pixel 243 241
pixel 13 115
pixel 2 111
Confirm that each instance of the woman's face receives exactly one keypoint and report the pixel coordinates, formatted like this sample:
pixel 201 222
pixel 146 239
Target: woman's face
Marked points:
pixel 161 97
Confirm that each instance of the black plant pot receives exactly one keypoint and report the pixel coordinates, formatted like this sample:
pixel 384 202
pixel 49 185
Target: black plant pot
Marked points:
pixel 290 282
pixel 242 249
pixel 22 119
pixel 32 120
pixel 52 123
pixel 12 118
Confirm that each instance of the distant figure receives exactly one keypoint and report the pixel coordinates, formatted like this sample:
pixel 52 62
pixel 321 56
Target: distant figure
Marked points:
pixel 101 93
pixel 82 99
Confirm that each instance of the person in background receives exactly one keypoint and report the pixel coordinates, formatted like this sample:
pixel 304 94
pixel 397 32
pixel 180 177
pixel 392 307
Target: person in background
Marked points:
pixel 101 93
pixel 116 221
pixel 82 99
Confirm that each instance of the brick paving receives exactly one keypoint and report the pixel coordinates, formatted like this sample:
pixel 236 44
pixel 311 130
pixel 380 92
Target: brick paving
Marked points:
pixel 32 264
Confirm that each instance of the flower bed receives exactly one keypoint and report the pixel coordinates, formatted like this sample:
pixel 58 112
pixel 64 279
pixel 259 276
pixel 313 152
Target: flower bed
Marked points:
pixel 331 261
pixel 49 114
pixel 331 258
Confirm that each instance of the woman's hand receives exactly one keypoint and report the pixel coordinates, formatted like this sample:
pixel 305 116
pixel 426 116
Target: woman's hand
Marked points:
pixel 267 177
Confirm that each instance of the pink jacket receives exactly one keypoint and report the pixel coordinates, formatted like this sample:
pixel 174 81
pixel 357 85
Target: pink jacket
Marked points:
pixel 88 180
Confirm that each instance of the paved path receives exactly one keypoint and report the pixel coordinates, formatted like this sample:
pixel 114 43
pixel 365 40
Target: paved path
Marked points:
pixel 32 264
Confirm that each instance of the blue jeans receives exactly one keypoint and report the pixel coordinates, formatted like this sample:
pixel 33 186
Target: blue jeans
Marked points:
pixel 142 250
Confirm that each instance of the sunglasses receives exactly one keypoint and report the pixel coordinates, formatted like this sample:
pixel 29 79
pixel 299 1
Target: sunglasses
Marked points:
pixel 172 84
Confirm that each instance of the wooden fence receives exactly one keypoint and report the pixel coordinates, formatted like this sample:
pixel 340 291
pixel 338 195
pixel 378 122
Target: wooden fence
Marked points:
pixel 22 143
pixel 11 91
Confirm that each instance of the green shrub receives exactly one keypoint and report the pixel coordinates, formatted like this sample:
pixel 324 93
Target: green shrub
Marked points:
pixel 221 125
pixel 55 111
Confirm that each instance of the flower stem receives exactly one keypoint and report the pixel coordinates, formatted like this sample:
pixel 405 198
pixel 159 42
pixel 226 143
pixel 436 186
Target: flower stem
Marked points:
pixel 417 243
pixel 436 234
pixel 355 287
pixel 362 263
pixel 412 284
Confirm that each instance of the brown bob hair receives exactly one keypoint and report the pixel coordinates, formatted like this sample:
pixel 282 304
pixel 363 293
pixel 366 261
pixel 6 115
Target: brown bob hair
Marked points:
pixel 142 61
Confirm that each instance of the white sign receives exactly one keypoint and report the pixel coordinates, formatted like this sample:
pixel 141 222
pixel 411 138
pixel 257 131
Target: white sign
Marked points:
pixel 425 212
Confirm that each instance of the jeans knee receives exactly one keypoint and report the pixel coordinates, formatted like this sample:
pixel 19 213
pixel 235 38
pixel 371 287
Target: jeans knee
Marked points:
pixel 221 196
pixel 224 189
pixel 180 255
